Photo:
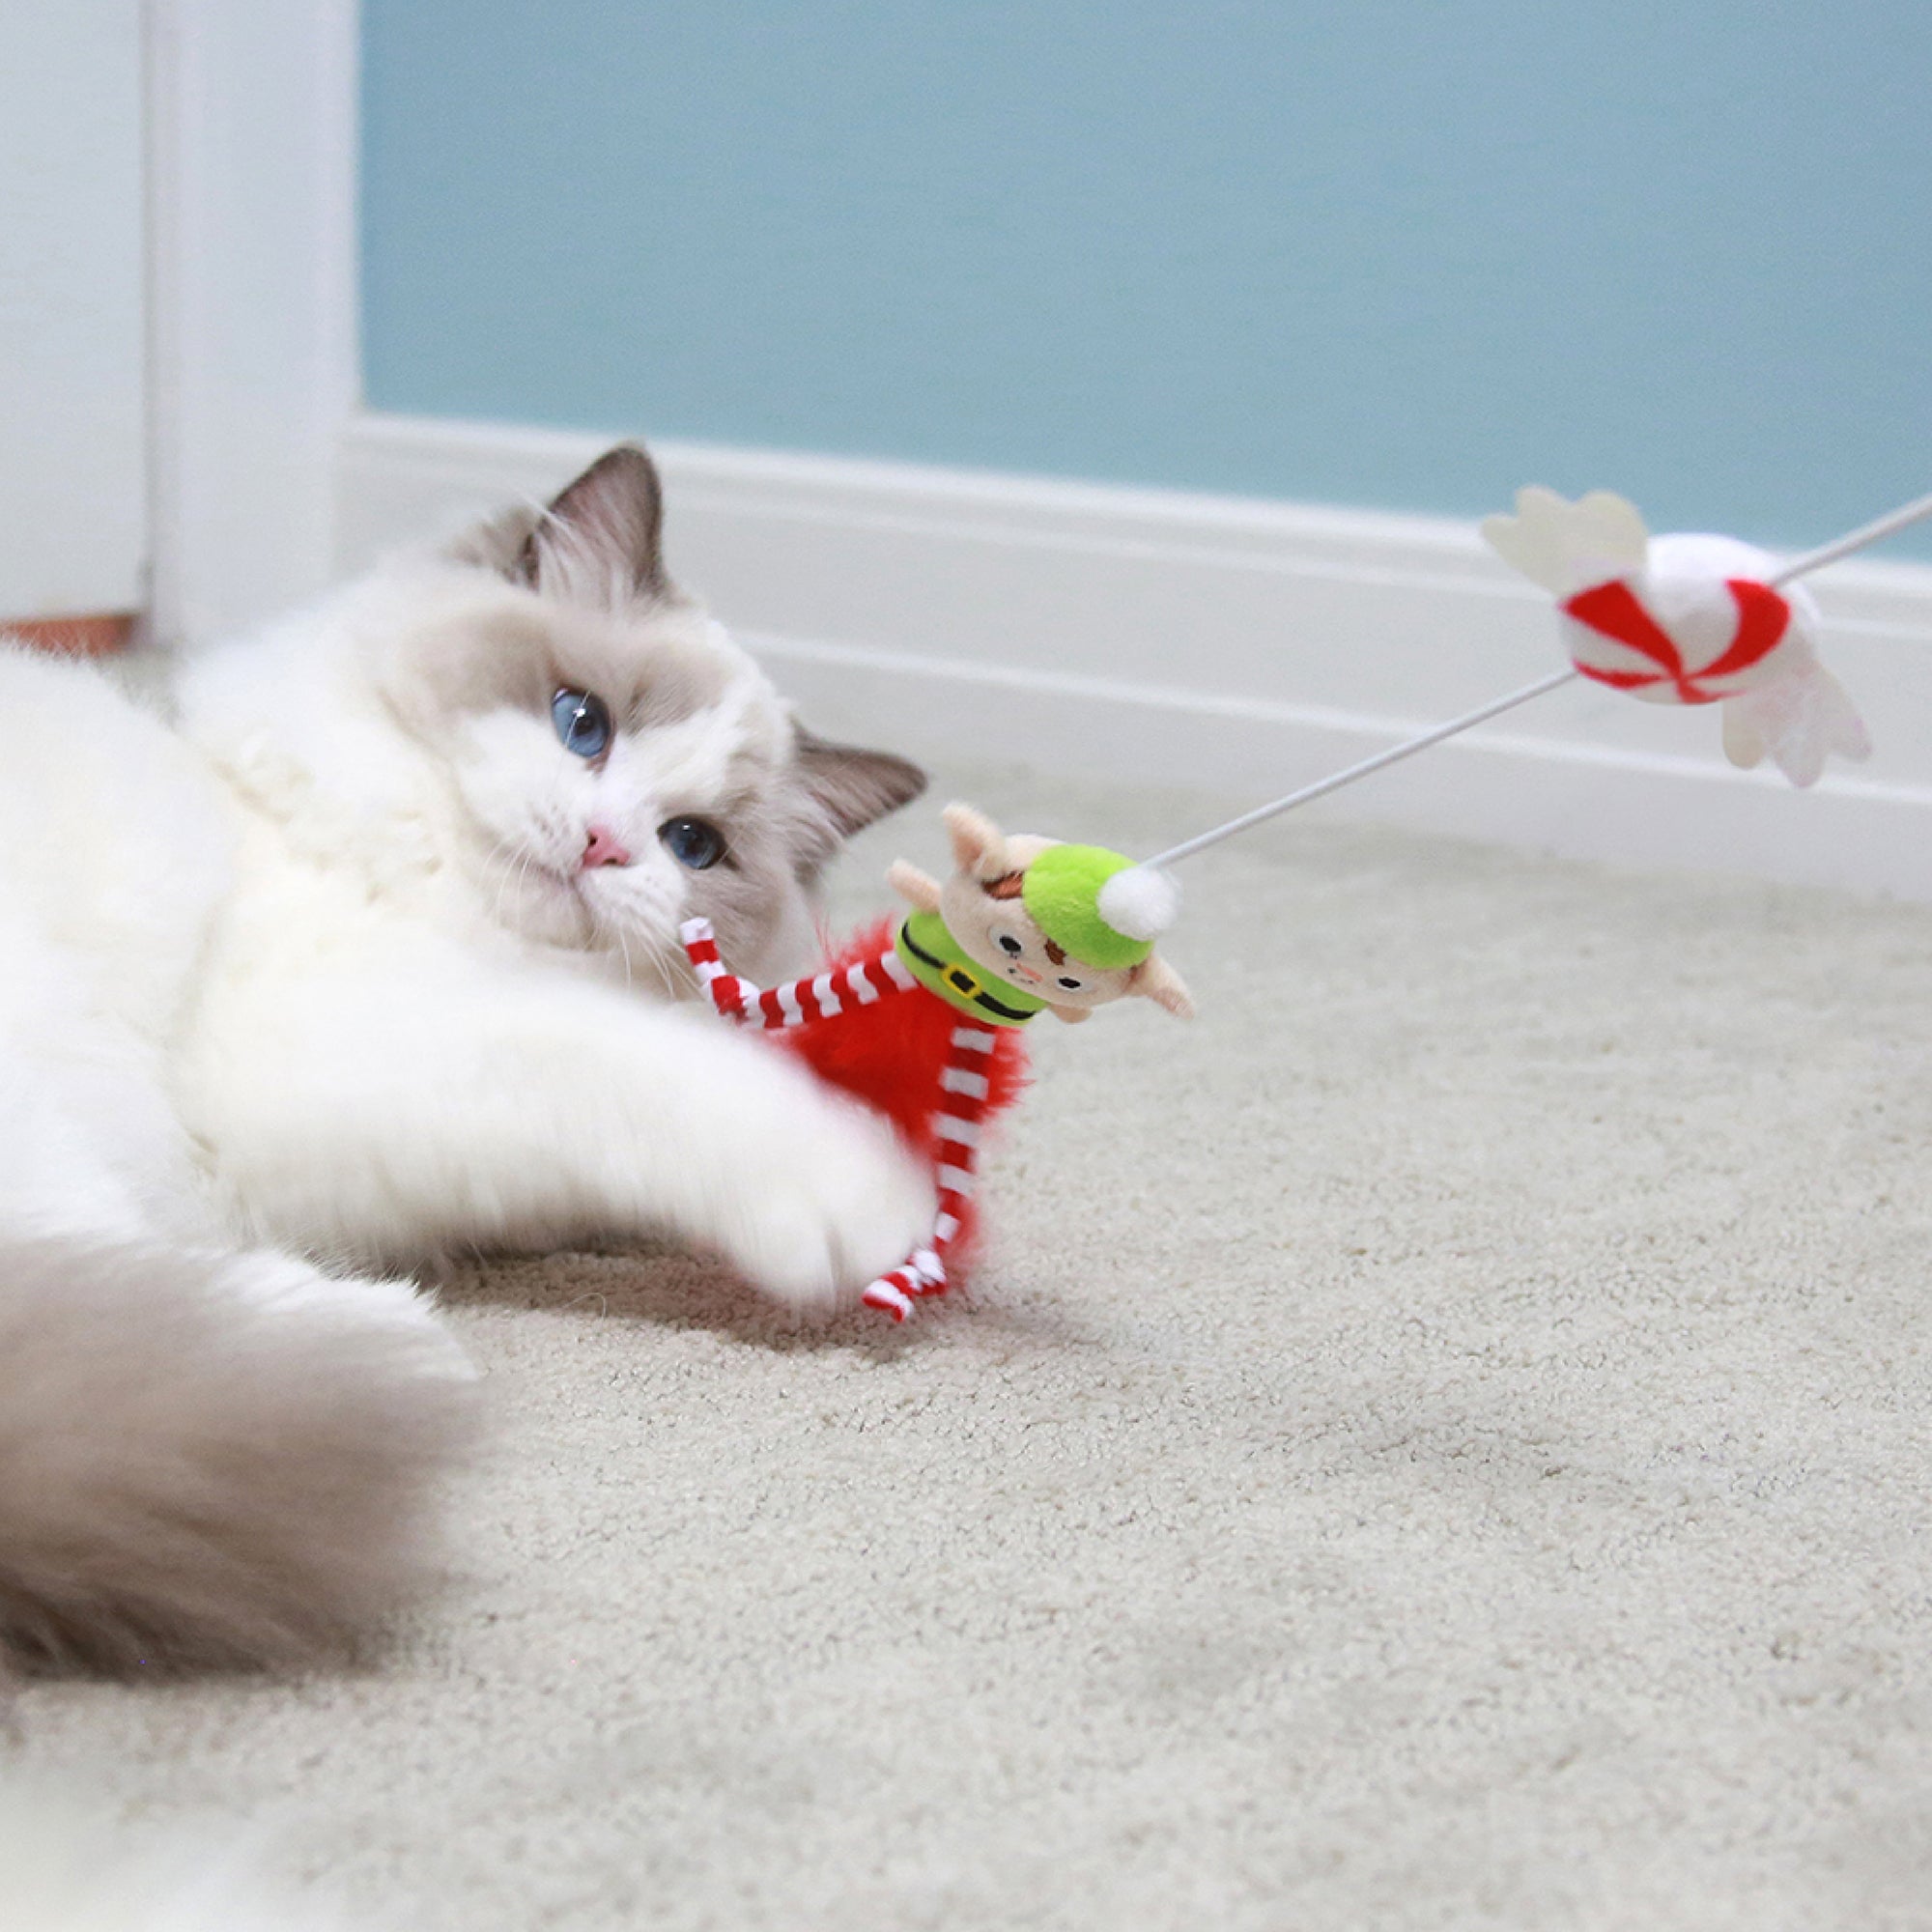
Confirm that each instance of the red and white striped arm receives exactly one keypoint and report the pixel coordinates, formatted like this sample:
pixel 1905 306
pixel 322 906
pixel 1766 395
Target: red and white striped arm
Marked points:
pixel 730 994
pixel 818 997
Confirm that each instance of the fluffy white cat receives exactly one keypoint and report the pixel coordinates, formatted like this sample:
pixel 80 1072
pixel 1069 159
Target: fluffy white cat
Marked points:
pixel 371 957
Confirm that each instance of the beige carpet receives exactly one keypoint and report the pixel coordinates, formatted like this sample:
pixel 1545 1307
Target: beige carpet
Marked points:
pixel 1442 1442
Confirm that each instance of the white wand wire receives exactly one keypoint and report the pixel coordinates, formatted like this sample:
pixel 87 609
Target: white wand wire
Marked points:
pixel 1335 781
pixel 1902 518
pixel 1907 514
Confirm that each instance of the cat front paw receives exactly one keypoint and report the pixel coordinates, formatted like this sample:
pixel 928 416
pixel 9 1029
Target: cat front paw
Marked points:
pixel 845 1203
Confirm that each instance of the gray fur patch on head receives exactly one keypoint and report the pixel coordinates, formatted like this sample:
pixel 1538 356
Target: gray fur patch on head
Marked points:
pixel 794 806
pixel 653 666
pixel 592 555
pixel 496 542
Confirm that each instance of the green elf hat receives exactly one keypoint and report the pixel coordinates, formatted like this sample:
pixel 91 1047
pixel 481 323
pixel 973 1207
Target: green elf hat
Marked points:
pixel 1061 890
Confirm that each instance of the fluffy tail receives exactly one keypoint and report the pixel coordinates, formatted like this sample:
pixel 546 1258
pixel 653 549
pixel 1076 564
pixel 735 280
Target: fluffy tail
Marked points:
pixel 211 1460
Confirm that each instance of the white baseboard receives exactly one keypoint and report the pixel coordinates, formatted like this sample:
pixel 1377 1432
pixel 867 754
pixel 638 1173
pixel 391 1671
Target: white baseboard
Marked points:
pixel 1241 647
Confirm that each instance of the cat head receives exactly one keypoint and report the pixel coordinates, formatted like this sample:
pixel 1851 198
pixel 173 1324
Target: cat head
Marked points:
pixel 602 760
pixel 630 765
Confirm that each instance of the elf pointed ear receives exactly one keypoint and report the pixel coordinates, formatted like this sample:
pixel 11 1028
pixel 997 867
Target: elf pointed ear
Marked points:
pixel 599 541
pixel 920 889
pixel 979 846
pixel 1154 979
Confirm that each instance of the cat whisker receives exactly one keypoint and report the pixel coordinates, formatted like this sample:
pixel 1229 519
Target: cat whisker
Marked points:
pixel 501 855
pixel 517 877
pixel 669 962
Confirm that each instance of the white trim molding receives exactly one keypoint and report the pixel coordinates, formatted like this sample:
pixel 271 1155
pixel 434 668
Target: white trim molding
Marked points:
pixel 1235 646
pixel 252 359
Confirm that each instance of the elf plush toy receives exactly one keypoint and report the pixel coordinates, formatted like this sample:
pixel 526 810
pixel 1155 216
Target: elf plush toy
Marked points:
pixel 1016 931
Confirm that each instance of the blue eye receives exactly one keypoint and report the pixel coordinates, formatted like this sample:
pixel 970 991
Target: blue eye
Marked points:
pixel 693 843
pixel 582 722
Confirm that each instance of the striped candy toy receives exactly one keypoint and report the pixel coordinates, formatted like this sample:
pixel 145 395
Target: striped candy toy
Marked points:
pixel 1688 619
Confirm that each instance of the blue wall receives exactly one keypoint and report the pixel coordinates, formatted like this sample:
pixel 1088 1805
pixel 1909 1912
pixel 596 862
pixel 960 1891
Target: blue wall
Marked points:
pixel 1399 255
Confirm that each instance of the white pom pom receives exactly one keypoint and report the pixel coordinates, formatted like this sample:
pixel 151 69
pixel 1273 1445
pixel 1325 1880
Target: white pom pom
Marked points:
pixel 1142 902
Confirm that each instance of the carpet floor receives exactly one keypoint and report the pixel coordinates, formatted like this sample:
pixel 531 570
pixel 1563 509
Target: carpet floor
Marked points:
pixel 1443 1440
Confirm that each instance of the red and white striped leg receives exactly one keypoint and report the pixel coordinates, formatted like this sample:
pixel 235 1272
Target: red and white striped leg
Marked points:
pixel 957 1126
pixel 819 997
pixel 956 1122
pixel 893 1293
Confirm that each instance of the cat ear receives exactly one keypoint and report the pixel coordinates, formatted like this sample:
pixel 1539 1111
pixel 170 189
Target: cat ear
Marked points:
pixel 850 787
pixel 599 541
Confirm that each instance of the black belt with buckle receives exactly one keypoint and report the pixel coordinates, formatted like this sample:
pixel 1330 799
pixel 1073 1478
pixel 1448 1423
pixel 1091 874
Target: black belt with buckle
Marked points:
pixel 959 979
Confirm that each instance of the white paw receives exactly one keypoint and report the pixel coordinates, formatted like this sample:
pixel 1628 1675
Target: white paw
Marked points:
pixel 839 1203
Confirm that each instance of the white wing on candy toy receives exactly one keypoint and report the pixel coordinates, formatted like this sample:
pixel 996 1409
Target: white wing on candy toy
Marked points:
pixel 1564 546
pixel 1797 721
pixel 1686 619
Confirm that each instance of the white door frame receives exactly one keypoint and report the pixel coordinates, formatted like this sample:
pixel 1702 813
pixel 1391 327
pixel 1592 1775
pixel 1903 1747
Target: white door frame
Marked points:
pixel 253 355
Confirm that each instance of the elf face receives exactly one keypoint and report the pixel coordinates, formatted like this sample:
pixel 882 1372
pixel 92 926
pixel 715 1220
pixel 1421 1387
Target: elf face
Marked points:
pixel 995 930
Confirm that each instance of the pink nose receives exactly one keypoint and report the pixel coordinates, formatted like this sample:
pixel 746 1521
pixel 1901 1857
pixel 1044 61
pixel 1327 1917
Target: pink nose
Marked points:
pixel 602 848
